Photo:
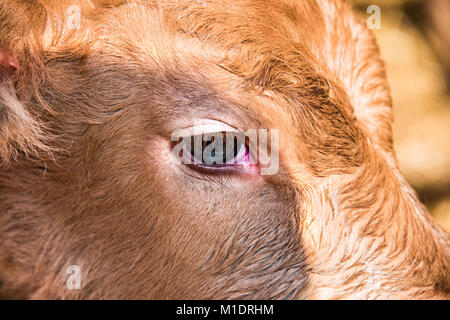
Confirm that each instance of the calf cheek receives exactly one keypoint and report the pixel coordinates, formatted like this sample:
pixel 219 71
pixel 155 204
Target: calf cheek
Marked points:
pixel 231 242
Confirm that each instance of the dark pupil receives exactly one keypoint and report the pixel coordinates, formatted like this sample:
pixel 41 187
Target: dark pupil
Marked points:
pixel 218 152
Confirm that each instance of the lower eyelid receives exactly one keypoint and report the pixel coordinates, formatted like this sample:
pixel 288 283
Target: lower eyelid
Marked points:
pixel 218 170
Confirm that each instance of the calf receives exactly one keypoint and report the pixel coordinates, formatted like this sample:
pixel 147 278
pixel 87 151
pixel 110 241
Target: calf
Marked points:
pixel 95 96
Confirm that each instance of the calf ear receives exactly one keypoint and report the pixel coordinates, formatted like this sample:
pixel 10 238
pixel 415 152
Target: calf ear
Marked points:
pixel 8 64
pixel 364 77
pixel 351 57
pixel 20 131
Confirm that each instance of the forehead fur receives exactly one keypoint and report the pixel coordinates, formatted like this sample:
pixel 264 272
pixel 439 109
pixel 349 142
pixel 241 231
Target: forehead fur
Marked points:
pixel 267 56
pixel 322 68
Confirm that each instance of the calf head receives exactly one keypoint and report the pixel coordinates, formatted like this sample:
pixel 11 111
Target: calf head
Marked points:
pixel 91 94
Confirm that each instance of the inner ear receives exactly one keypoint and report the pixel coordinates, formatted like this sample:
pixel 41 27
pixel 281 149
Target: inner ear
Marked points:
pixel 8 63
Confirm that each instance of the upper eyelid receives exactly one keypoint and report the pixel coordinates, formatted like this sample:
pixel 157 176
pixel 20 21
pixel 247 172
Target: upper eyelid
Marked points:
pixel 203 127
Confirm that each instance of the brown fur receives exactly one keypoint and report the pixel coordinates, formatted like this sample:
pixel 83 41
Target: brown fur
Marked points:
pixel 86 118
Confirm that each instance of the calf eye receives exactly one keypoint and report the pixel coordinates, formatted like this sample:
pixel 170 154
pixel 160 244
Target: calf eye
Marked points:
pixel 213 147
pixel 218 149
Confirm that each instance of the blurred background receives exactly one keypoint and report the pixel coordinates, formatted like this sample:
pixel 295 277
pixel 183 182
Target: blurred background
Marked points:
pixel 414 37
